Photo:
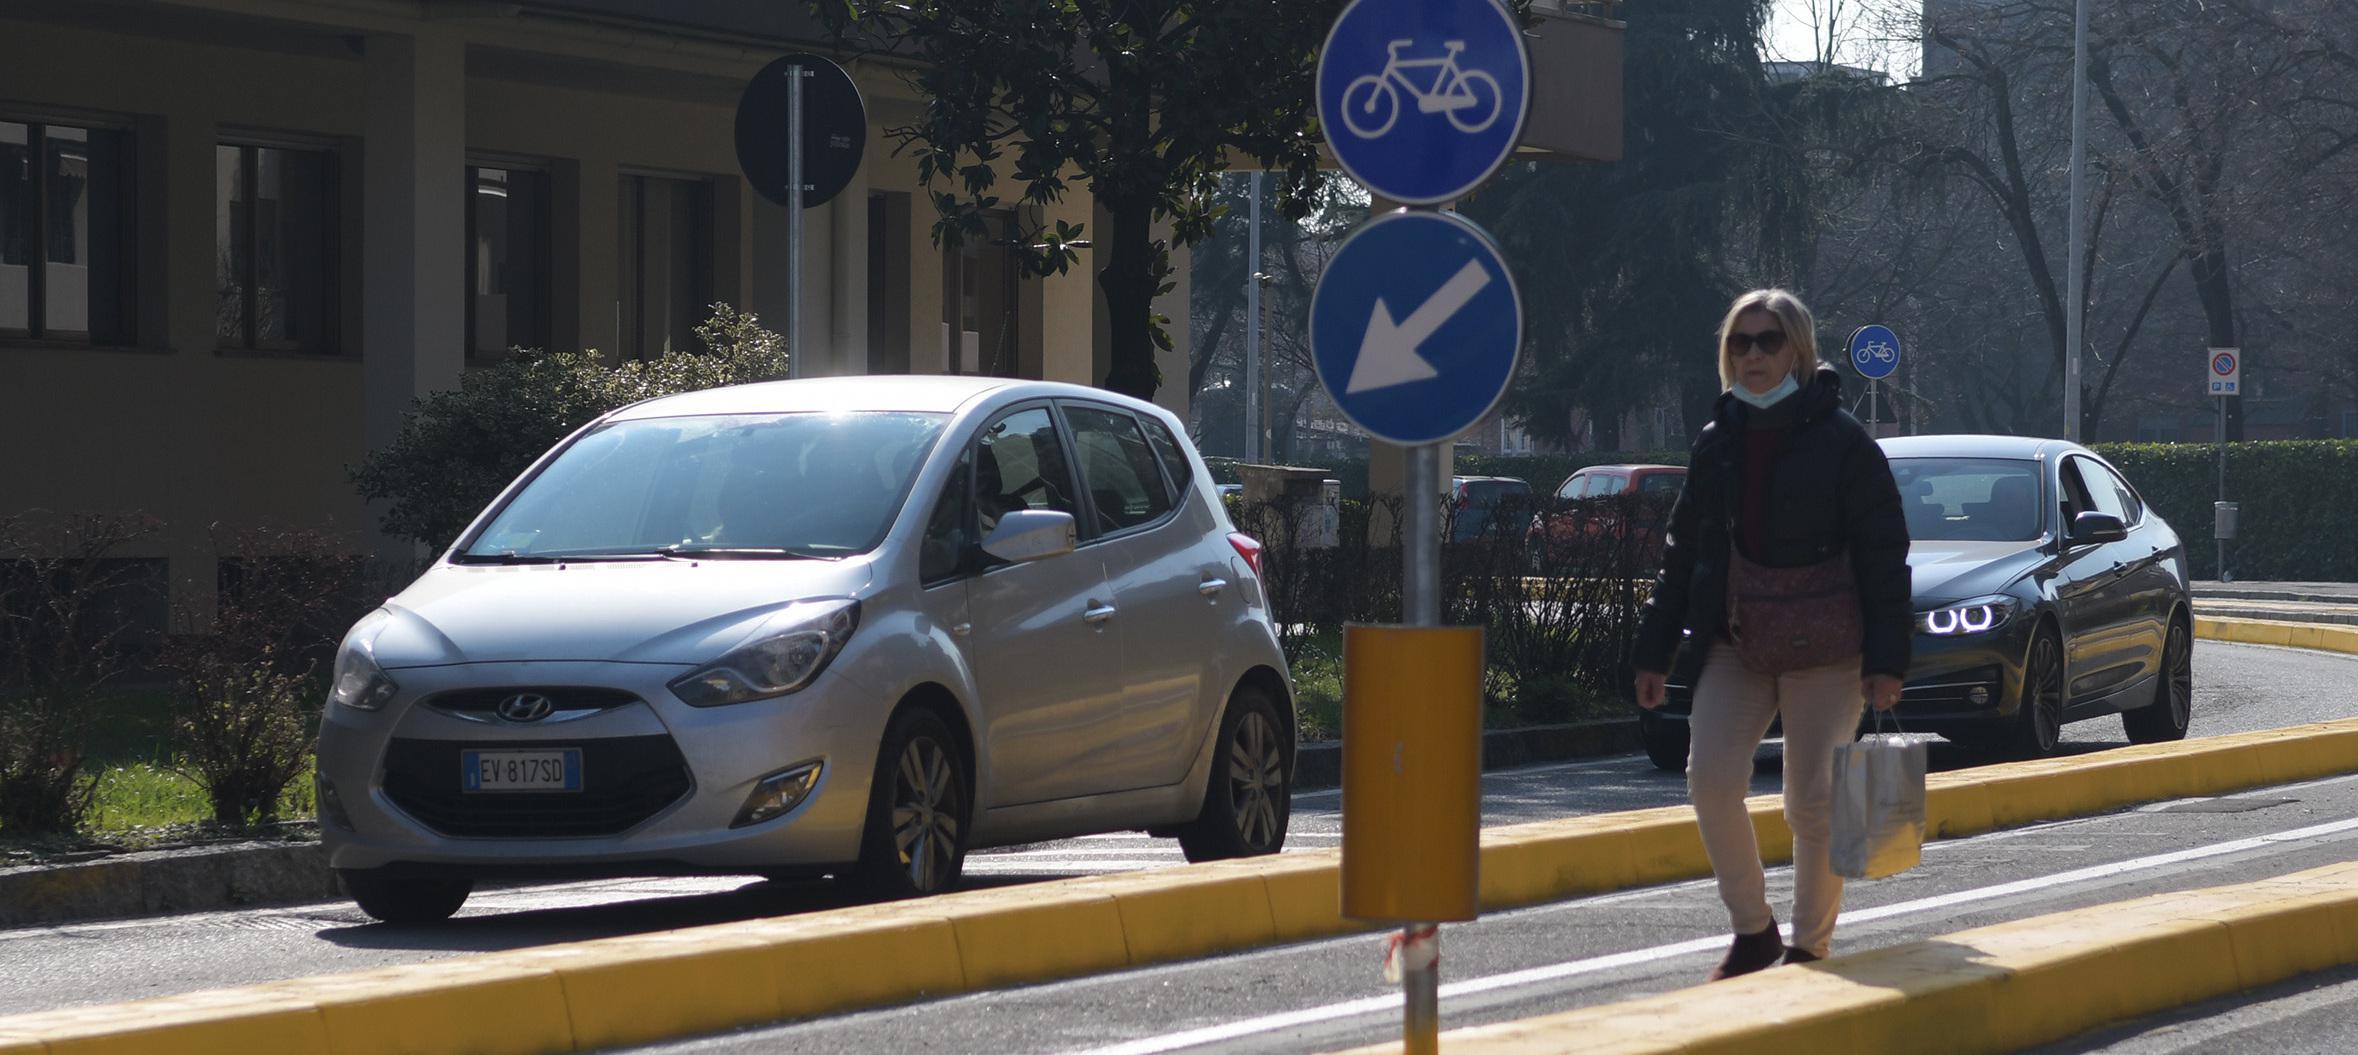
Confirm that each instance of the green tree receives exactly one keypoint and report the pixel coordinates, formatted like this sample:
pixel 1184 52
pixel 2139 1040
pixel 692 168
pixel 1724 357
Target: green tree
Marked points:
pixel 1146 101
pixel 458 448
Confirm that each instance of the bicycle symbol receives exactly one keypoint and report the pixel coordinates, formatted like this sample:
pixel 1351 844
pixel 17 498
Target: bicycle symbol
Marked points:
pixel 1879 352
pixel 1372 103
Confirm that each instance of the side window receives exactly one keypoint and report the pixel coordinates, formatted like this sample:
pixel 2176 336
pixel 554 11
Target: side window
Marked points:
pixel 1572 488
pixel 949 536
pixel 1124 480
pixel 1610 485
pixel 1661 485
pixel 1166 446
pixel 2091 490
pixel 1019 463
pixel 2134 506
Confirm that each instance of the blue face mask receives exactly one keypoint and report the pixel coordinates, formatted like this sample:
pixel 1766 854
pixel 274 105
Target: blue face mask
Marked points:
pixel 1771 397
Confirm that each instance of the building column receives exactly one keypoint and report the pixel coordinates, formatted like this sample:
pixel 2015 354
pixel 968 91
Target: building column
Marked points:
pixel 413 230
pixel 1069 303
pixel 847 311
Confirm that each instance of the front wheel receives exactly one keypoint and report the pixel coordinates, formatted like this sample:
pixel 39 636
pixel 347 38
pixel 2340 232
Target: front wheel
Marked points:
pixel 1249 798
pixel 2038 722
pixel 2172 709
pixel 1666 741
pixel 915 840
pixel 1370 106
pixel 405 899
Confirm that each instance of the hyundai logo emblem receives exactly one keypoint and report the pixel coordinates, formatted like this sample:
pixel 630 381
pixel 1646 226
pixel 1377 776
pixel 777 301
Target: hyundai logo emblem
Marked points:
pixel 526 707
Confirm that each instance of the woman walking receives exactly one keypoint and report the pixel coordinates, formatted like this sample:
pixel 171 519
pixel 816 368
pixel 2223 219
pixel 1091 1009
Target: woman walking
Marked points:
pixel 1785 573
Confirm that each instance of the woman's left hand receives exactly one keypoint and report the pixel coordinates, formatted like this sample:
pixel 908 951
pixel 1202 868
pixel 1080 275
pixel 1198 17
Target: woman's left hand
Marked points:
pixel 1881 690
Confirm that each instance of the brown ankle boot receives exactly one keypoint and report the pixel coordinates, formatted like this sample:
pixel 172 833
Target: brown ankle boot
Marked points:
pixel 1751 952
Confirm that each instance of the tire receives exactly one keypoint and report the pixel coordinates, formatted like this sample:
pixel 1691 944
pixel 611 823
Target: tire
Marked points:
pixel 2172 709
pixel 1372 95
pixel 405 899
pixel 1666 741
pixel 1249 798
pixel 2038 721
pixel 919 811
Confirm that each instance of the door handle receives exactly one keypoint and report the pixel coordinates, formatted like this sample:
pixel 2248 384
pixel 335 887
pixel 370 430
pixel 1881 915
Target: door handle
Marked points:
pixel 1211 587
pixel 1098 614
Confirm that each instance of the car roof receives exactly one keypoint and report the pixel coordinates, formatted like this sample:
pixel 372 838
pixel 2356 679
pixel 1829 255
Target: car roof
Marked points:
pixel 1629 467
pixel 921 393
pixel 1492 480
pixel 2024 448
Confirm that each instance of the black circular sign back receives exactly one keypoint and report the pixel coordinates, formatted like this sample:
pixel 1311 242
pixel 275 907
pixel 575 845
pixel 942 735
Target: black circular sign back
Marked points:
pixel 834 129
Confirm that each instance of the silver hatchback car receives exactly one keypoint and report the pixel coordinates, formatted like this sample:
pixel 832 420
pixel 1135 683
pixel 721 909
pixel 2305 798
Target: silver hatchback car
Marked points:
pixel 853 627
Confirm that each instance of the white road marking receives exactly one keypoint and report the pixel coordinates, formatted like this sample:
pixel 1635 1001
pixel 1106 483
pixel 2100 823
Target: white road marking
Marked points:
pixel 1391 1002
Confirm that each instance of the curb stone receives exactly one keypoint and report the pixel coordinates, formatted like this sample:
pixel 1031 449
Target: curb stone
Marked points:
pixel 1320 765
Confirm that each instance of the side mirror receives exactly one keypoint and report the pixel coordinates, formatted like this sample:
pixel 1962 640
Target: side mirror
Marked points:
pixel 2095 529
pixel 1031 534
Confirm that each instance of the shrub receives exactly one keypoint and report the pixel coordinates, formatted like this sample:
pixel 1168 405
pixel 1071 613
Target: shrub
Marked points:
pixel 459 448
pixel 63 640
pixel 2292 492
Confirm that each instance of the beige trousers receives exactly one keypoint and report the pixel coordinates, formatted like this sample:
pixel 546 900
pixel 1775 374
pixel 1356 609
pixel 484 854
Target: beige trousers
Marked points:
pixel 1733 707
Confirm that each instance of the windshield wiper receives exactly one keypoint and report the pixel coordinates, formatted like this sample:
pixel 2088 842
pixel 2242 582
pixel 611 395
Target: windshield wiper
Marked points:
pixel 732 552
pixel 512 557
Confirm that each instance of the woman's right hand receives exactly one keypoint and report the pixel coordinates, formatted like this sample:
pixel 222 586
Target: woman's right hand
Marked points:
pixel 1651 688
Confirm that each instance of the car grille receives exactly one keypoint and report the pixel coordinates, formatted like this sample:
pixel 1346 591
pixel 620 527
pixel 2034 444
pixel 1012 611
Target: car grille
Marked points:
pixel 483 704
pixel 625 780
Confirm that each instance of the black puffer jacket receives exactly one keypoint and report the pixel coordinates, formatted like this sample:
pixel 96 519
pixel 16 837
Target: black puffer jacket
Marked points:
pixel 1830 489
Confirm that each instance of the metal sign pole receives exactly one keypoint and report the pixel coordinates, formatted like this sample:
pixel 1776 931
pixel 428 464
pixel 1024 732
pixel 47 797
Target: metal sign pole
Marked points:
pixel 1252 382
pixel 2221 543
pixel 1420 605
pixel 794 350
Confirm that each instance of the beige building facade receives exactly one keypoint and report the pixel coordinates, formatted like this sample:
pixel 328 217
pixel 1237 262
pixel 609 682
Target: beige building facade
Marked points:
pixel 239 237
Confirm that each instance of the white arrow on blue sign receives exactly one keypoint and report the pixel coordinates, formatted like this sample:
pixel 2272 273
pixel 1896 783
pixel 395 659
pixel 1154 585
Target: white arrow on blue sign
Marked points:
pixel 1875 351
pixel 1416 327
pixel 1423 99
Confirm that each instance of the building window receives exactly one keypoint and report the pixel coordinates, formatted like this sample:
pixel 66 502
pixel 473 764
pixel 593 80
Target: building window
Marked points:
pixel 274 272
pixel 507 259
pixel 65 233
pixel 664 286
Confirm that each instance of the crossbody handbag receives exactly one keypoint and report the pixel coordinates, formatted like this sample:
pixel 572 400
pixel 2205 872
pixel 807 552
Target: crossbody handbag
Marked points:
pixel 1789 619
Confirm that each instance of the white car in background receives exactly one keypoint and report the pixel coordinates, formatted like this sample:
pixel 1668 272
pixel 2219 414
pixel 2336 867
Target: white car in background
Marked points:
pixel 855 626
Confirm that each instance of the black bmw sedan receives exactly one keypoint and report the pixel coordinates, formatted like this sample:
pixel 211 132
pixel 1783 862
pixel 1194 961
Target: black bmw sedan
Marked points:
pixel 2046 592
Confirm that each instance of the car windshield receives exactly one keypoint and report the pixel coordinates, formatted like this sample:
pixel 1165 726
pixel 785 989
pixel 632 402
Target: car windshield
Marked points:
pixel 723 486
pixel 1480 498
pixel 1969 499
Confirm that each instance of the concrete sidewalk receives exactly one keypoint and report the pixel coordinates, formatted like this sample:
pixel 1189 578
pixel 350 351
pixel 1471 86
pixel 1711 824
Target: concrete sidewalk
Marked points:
pixel 2294 602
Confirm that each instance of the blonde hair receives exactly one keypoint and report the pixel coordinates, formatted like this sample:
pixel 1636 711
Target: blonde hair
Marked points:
pixel 1801 332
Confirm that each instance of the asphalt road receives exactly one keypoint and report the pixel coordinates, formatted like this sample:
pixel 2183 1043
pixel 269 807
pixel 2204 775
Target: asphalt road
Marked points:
pixel 2238 688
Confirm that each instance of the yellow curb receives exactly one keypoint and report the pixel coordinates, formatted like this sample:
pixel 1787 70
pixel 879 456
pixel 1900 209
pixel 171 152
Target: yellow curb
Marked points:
pixel 1990 989
pixel 648 987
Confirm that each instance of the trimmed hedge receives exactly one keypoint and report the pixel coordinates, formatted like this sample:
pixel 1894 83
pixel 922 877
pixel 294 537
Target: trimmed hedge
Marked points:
pixel 2293 493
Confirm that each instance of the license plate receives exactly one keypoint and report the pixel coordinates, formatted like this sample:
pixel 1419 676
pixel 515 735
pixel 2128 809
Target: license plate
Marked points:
pixel 555 770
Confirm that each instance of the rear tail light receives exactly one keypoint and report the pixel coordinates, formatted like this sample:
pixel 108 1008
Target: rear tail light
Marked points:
pixel 1248 548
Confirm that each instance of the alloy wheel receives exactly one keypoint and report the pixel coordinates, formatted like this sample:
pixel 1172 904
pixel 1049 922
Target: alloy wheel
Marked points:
pixel 925 812
pixel 2042 688
pixel 1256 777
pixel 2180 653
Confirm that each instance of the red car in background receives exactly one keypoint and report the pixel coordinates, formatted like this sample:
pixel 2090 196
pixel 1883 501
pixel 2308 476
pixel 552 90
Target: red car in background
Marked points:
pixel 1597 502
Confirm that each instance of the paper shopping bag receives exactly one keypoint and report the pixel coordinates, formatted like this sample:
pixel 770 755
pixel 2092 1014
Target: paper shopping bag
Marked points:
pixel 1878 806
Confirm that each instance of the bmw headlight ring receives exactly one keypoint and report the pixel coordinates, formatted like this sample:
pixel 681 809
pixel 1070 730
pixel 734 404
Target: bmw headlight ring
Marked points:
pixel 1977 616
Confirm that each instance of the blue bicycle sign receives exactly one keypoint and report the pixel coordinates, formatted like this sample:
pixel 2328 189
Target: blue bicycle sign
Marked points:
pixel 1469 99
pixel 1422 100
pixel 1875 351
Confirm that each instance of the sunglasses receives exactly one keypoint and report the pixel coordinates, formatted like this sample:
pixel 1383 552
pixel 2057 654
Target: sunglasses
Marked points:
pixel 1770 342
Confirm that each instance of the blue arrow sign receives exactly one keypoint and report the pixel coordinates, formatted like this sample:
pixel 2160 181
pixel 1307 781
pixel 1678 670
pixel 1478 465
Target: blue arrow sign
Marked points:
pixel 1423 99
pixel 1875 351
pixel 1416 326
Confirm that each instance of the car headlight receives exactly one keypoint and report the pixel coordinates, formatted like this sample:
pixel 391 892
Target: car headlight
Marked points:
pixel 1977 616
pixel 784 655
pixel 359 682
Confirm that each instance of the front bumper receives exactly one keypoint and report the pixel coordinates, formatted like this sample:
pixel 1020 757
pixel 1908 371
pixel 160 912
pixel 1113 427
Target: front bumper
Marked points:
pixel 662 781
pixel 1956 684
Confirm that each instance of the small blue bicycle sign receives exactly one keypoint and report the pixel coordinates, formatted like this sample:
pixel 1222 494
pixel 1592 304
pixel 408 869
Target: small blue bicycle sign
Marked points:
pixel 1422 100
pixel 1875 352
pixel 1469 99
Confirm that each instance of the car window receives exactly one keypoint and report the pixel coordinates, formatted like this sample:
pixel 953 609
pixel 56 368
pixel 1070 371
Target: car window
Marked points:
pixel 1166 446
pixel 1969 499
pixel 1661 485
pixel 1019 463
pixel 1573 487
pixel 1122 473
pixel 2129 501
pixel 2095 484
pixel 810 485
pixel 1606 484
pixel 949 534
